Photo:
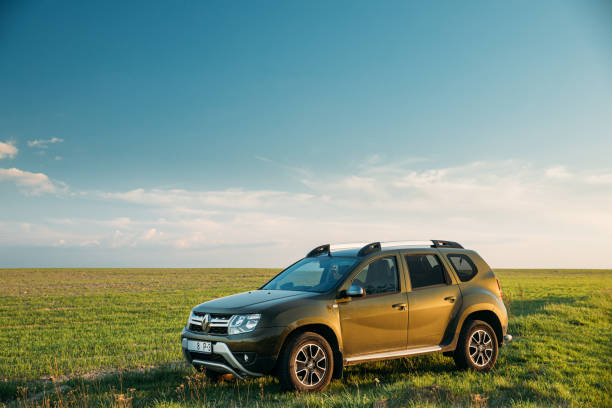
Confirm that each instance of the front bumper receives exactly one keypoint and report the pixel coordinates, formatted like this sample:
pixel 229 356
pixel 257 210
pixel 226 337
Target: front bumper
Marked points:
pixel 231 365
pixel 263 343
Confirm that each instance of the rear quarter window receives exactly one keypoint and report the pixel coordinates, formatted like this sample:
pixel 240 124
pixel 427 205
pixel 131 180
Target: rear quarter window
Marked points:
pixel 463 265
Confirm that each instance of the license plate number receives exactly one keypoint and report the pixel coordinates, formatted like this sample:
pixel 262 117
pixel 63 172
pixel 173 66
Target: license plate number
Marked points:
pixel 200 346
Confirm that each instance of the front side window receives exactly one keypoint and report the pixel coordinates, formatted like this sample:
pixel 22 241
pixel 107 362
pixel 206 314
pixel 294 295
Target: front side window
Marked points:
pixel 425 270
pixel 319 274
pixel 378 277
pixel 463 265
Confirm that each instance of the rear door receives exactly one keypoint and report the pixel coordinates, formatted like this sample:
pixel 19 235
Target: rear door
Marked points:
pixel 434 298
pixel 377 321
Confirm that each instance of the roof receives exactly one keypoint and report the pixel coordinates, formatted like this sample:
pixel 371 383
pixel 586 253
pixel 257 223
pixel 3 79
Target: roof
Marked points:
pixel 363 249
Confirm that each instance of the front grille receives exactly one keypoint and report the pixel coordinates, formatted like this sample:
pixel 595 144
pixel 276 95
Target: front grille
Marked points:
pixel 215 358
pixel 218 330
pixel 214 315
pixel 217 323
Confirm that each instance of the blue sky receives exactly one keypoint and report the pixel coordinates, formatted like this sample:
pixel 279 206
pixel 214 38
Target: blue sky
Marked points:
pixel 244 133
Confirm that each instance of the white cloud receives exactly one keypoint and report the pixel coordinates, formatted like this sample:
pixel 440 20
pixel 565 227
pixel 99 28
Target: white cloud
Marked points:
pixel 601 178
pixel 513 212
pixel 8 149
pixel 199 200
pixel 152 234
pixel 31 183
pixel 44 143
pixel 487 205
pixel 558 172
pixel 89 243
pixel 40 234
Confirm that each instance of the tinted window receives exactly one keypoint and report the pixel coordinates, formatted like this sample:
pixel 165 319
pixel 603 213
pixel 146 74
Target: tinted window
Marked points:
pixel 425 270
pixel 464 266
pixel 318 274
pixel 378 277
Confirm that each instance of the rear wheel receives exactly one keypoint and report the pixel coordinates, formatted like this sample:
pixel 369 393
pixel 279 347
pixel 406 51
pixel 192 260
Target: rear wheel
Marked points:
pixel 477 347
pixel 306 363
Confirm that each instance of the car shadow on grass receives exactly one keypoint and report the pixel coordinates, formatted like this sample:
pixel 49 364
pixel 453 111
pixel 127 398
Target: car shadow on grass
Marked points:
pixel 525 307
pixel 426 364
pixel 181 385
pixel 178 384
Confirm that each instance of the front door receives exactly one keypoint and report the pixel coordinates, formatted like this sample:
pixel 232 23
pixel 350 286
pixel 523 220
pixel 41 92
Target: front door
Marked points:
pixel 378 321
pixel 432 301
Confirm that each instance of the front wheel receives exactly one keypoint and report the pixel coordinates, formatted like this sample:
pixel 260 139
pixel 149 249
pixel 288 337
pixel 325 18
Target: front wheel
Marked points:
pixel 477 347
pixel 306 363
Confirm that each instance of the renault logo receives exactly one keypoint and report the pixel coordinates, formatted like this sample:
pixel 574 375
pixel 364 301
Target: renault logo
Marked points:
pixel 206 323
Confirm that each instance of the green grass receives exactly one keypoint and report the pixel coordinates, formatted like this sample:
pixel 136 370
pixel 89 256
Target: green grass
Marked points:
pixel 66 327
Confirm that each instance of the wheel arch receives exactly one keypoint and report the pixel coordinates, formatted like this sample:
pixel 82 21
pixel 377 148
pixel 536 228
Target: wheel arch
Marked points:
pixel 328 334
pixel 489 317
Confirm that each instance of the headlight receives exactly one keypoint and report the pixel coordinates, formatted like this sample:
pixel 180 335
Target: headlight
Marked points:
pixel 243 323
pixel 189 318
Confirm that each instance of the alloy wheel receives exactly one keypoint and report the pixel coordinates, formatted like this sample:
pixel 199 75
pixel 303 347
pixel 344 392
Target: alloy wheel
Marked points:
pixel 310 364
pixel 480 348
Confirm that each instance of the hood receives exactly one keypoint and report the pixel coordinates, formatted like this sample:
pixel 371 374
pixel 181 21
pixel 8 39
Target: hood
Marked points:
pixel 250 302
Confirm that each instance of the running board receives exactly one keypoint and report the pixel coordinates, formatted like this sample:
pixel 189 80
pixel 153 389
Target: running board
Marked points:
pixel 393 354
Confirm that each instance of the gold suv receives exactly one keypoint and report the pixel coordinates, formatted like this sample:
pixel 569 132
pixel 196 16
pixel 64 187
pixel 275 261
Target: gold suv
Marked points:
pixel 350 303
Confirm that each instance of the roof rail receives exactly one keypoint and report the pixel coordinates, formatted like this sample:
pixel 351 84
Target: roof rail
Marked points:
pixel 352 245
pixel 438 243
pixel 327 248
pixel 392 244
pixel 377 246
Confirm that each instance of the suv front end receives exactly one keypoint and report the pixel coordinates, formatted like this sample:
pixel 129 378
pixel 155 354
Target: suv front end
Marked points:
pixel 229 343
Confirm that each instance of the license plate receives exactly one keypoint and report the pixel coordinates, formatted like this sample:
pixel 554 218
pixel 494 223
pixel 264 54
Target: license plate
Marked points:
pixel 199 346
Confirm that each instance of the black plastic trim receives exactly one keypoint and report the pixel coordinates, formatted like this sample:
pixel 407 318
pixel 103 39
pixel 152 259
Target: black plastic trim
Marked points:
pixel 439 243
pixel 320 250
pixel 368 249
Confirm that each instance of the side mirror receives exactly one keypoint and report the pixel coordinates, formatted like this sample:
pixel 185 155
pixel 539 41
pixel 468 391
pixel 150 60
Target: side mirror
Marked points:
pixel 355 291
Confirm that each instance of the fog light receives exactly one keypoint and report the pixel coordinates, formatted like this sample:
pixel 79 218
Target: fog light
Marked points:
pixel 245 358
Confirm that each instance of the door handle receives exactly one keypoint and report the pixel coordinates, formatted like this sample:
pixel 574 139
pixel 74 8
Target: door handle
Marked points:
pixel 450 299
pixel 400 306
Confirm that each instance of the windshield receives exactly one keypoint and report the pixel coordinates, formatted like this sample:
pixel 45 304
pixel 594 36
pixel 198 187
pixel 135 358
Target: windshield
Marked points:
pixel 319 274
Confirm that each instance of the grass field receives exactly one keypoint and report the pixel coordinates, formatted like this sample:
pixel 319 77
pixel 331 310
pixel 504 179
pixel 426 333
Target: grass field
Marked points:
pixel 110 337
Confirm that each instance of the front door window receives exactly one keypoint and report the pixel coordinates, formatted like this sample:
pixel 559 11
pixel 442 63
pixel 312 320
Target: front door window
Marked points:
pixel 379 277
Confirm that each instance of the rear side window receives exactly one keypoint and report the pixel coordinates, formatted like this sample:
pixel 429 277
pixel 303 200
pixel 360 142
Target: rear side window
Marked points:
pixel 464 266
pixel 425 270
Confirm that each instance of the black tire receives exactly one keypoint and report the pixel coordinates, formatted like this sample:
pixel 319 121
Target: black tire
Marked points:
pixel 306 363
pixel 477 347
